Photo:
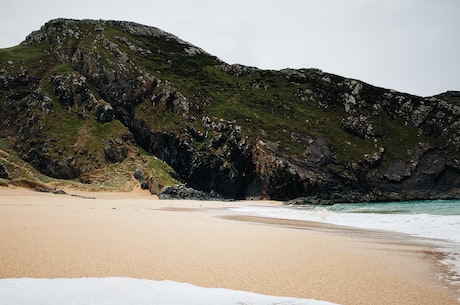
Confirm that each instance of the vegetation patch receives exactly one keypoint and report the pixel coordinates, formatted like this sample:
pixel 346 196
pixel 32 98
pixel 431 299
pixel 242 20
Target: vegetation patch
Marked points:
pixel 23 55
pixel 63 126
pixel 160 171
pixel 62 68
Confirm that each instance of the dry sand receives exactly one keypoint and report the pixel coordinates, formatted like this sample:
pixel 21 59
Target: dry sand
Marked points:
pixel 130 234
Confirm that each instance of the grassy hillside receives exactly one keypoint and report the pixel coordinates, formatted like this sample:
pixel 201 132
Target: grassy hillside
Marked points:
pixel 92 101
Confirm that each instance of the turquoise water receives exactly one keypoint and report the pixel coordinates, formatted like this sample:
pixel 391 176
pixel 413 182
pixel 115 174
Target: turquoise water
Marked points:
pixel 432 207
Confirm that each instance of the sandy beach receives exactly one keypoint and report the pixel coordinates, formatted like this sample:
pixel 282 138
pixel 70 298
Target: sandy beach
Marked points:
pixel 45 235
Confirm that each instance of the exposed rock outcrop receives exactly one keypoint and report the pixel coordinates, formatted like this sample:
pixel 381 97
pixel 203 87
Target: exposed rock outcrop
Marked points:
pixel 184 192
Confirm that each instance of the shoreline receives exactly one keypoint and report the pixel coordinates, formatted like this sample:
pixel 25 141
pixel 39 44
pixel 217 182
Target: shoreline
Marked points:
pixel 130 234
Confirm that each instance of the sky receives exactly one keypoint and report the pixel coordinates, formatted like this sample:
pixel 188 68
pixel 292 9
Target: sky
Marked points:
pixel 411 46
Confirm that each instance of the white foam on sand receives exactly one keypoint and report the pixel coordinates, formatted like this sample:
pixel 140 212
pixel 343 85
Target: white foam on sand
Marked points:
pixel 441 227
pixel 129 291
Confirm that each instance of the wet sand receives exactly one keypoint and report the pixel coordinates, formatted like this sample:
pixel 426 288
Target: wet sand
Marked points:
pixel 134 235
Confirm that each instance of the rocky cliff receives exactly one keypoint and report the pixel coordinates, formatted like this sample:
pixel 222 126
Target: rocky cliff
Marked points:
pixel 89 101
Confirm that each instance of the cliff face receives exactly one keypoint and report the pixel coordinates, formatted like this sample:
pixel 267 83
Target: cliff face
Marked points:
pixel 80 98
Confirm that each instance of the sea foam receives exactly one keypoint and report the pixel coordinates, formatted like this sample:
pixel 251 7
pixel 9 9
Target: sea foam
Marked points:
pixel 129 291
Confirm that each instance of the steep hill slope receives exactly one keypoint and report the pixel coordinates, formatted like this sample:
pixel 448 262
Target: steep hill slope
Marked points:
pixel 90 100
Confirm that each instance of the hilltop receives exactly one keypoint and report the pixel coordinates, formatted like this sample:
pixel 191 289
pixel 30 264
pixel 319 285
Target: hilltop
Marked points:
pixel 101 103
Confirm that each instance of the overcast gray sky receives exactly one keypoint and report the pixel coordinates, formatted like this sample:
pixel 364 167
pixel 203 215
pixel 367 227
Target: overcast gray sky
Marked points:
pixel 407 45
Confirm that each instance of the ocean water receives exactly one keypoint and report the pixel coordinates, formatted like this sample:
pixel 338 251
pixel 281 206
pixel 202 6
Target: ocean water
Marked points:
pixel 432 207
pixel 435 221
pixel 129 291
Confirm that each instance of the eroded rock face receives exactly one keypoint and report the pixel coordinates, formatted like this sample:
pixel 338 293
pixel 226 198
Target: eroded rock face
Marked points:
pixel 115 153
pixel 361 126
